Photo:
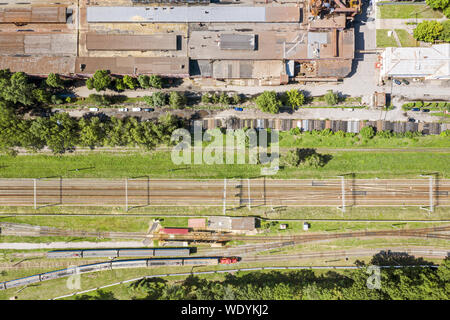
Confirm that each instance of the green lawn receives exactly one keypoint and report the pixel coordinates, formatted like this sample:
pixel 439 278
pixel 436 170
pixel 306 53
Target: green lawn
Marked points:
pixel 407 12
pixel 406 39
pixel 176 215
pixel 307 140
pixel 160 165
pixel 383 40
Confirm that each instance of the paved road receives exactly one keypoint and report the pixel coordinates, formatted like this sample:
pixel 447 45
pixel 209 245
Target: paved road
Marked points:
pixel 260 192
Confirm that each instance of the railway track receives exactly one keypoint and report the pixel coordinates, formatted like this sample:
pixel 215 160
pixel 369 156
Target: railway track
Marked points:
pixel 239 192
pixel 422 252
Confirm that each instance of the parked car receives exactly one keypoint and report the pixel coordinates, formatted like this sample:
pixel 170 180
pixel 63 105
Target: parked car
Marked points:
pixel 136 109
pixel 411 120
pixel 415 109
pixel 397 82
pixel 425 110
pixel 149 109
pixel 238 109
pixel 405 81
pixel 93 109
pixel 123 109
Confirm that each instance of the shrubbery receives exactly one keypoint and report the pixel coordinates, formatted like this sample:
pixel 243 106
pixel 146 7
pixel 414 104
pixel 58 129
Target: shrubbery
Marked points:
pixel 268 102
pixel 305 158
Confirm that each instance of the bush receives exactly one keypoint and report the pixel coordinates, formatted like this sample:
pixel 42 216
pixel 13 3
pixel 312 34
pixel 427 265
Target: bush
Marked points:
pixel 159 99
pixel 130 82
pixel 331 98
pixel 155 81
pixel 144 81
pixel 148 100
pixel 428 31
pixel 177 100
pixel 445 34
pixel 437 4
pixel 119 84
pixel 54 81
pixel 206 98
pixel 305 157
pixel 101 80
pixel 268 102
pixel 236 98
pixel 445 133
pixel 215 98
pixel 294 98
pixel 446 12
pixel 224 99
pixel 367 132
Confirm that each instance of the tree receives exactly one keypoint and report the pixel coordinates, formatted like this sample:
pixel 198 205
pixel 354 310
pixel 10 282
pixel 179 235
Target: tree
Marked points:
pixel 144 81
pixel 176 100
pixel 428 31
pixel 236 98
pixel 438 4
pixel 295 98
pixel 159 99
pixel 130 82
pixel 331 98
pixel 119 84
pixel 206 98
pixel 100 81
pixel 16 88
pixel 367 132
pixel 92 132
pixel 156 81
pixel 224 99
pixel 42 96
pixel 268 102
pixel 54 81
pixel 445 34
pixel 59 132
pixel 446 12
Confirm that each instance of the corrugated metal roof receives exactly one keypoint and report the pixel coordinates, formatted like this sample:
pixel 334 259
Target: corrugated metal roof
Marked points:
pixel 33 15
pixel 237 42
pixel 176 14
pixel 131 42
pixel 193 14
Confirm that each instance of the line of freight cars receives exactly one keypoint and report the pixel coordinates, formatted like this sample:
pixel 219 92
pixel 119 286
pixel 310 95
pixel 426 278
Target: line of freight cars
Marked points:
pixel 118 264
pixel 333 125
pixel 119 253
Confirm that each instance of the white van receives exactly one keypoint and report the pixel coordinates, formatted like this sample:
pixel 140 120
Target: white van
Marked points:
pixel 123 109
pixel 93 109
pixel 136 109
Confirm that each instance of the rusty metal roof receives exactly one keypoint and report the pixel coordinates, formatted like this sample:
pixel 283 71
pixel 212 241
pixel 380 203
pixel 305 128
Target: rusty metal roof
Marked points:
pixel 95 41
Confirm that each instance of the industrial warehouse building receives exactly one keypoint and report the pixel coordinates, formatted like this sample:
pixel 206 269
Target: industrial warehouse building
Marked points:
pixel 260 44
pixel 427 63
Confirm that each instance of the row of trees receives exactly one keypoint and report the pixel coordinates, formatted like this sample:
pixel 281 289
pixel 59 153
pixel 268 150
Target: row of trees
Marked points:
pixel 62 133
pixel 431 30
pixel 102 80
pixel 270 101
pixel 408 283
